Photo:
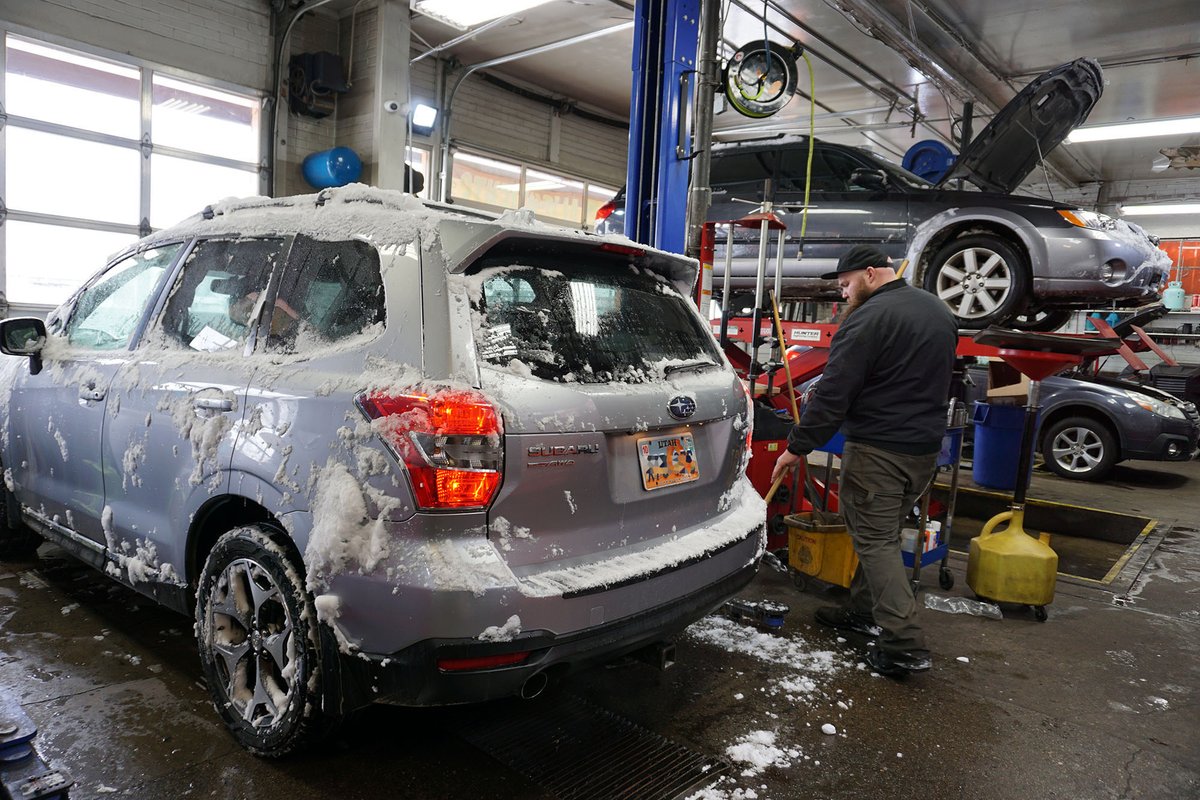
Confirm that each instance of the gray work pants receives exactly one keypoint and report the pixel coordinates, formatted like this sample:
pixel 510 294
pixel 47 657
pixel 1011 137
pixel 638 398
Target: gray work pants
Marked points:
pixel 878 488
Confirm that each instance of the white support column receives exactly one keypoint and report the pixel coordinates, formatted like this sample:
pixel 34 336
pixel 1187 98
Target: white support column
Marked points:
pixel 391 86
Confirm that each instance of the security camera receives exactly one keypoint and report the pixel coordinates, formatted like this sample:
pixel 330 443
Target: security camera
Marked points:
pixel 391 106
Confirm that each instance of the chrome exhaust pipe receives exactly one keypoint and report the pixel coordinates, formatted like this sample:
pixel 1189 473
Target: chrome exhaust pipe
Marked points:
pixel 534 685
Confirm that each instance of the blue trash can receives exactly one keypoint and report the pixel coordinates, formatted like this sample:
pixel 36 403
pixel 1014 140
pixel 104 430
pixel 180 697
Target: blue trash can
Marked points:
pixel 997 445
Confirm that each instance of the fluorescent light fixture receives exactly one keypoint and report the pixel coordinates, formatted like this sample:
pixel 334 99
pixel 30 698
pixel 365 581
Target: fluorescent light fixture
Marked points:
pixel 1162 208
pixel 464 14
pixel 423 117
pixel 1176 126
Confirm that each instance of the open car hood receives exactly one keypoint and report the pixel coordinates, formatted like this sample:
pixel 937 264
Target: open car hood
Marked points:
pixel 1031 125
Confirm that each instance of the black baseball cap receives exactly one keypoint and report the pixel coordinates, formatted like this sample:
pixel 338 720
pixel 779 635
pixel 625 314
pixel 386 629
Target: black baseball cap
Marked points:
pixel 858 257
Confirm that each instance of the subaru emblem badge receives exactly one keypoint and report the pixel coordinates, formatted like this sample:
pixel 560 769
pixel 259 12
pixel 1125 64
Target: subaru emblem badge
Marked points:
pixel 681 407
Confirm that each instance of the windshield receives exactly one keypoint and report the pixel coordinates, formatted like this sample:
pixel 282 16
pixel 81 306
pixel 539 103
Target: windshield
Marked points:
pixel 601 324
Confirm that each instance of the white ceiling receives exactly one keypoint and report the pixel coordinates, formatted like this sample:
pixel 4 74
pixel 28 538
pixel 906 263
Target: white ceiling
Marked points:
pixel 880 63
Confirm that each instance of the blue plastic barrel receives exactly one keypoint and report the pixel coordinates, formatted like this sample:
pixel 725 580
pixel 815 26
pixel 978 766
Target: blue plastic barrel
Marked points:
pixel 335 167
pixel 997 445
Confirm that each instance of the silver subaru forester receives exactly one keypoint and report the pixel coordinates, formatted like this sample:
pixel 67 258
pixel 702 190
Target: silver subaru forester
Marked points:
pixel 385 451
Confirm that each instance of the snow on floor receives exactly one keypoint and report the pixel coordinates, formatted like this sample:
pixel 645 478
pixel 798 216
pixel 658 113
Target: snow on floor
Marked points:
pixel 802 674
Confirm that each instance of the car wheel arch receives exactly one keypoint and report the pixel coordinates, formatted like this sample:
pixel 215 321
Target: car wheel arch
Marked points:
pixel 1053 414
pixel 962 228
pixel 219 516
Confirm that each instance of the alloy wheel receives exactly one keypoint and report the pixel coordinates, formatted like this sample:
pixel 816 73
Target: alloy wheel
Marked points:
pixel 1077 449
pixel 974 282
pixel 253 643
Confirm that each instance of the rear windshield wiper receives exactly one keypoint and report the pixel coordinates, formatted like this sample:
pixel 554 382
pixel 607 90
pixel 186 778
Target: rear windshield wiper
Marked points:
pixel 689 365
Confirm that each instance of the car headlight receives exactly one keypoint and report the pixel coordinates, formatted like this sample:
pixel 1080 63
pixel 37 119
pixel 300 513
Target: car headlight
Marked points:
pixel 1156 406
pixel 1087 219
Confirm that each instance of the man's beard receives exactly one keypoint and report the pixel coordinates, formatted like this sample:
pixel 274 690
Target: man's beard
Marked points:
pixel 848 308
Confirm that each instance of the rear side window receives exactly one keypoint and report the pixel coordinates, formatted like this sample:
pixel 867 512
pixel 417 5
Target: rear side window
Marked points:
pixel 332 290
pixel 751 169
pixel 593 325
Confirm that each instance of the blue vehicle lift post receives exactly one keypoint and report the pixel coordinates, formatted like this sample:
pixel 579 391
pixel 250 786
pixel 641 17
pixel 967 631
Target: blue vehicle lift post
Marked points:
pixel 666 33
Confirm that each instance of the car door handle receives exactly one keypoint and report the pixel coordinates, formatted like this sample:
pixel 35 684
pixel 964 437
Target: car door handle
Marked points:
pixel 90 393
pixel 213 403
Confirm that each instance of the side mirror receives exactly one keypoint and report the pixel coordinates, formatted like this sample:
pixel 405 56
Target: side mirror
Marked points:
pixel 873 179
pixel 24 336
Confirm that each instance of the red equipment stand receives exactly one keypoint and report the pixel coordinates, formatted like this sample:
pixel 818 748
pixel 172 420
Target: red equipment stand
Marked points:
pixel 804 365
pixel 771 388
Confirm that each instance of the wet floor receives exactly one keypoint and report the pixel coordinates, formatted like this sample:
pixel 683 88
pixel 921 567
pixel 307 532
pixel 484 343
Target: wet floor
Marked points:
pixel 1102 701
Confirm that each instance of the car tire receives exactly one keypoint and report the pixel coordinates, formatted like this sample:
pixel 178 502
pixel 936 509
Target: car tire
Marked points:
pixel 1041 320
pixel 982 280
pixel 260 644
pixel 1079 448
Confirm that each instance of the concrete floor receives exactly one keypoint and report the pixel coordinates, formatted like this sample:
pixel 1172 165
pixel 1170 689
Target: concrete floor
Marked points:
pixel 1103 701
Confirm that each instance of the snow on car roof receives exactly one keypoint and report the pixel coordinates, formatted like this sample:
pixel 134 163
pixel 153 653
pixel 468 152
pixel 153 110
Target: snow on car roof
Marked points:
pixel 389 217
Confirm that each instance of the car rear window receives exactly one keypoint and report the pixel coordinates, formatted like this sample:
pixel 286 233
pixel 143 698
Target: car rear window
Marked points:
pixel 595 325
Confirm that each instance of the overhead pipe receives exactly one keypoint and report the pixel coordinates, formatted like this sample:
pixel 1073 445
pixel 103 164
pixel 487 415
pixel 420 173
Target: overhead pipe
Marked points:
pixel 447 106
pixel 471 34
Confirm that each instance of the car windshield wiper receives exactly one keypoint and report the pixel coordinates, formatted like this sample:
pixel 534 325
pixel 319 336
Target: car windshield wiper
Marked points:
pixel 689 365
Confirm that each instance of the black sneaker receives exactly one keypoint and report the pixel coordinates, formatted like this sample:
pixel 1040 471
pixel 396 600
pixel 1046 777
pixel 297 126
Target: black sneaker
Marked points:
pixel 896 663
pixel 846 620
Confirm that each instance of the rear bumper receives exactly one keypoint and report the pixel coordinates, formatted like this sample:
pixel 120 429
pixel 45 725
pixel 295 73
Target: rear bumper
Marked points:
pixel 412 677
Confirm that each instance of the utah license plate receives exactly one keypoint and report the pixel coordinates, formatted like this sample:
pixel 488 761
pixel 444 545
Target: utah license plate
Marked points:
pixel 668 461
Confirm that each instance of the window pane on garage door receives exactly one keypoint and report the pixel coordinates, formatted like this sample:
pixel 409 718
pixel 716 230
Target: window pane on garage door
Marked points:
pixel 205 120
pixel 482 181
pixel 46 263
pixel 554 197
pixel 68 177
pixel 180 188
pixel 54 85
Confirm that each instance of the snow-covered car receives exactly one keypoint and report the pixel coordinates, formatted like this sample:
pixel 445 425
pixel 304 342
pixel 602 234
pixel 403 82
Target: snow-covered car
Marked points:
pixel 385 451
pixel 994 258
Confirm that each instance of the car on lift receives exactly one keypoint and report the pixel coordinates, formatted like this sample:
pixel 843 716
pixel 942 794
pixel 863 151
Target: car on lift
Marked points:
pixel 1090 423
pixel 384 451
pixel 993 257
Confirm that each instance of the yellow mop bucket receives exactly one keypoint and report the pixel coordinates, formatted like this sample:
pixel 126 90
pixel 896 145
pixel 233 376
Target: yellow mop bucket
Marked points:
pixel 819 546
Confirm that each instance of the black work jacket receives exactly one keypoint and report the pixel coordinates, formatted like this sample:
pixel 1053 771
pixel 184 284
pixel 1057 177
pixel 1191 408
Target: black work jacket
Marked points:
pixel 887 381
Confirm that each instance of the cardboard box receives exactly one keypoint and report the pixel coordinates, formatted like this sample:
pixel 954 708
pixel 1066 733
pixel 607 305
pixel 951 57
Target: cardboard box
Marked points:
pixel 1006 381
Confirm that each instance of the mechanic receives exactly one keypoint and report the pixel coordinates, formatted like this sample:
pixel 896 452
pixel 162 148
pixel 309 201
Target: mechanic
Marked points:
pixel 886 387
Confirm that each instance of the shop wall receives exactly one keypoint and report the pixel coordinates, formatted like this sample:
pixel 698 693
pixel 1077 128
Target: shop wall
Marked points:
pixel 229 40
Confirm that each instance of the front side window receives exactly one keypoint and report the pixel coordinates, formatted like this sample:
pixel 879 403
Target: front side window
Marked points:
pixel 107 312
pixel 595 324
pixel 220 293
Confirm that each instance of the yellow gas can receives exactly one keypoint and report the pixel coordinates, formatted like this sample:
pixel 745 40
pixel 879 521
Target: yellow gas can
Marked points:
pixel 818 545
pixel 1010 566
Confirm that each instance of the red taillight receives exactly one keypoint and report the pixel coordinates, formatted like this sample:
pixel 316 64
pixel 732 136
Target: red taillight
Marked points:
pixel 749 416
pixel 451 441
pixel 620 249
pixel 606 210
pixel 482 662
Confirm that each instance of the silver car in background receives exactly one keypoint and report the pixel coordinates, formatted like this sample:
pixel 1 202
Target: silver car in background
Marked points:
pixel 384 451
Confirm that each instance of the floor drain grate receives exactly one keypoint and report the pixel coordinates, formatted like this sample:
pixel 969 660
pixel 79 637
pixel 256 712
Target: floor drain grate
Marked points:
pixel 579 751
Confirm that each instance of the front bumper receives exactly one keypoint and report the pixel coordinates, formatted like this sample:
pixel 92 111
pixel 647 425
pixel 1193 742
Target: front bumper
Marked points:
pixel 1071 267
pixel 1175 443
